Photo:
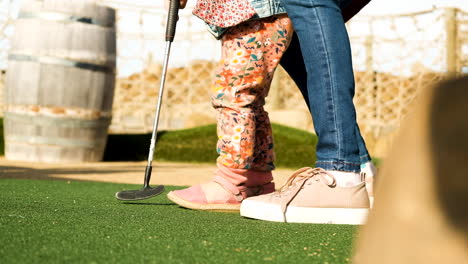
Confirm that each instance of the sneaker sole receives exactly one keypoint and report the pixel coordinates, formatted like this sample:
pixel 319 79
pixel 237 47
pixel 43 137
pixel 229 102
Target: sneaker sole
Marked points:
pixel 272 212
pixel 205 207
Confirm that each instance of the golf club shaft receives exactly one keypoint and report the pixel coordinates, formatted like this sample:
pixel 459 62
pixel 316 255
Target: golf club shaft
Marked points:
pixel 172 18
pixel 154 134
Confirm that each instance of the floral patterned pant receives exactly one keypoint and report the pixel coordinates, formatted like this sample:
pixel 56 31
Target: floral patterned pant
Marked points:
pixel 251 52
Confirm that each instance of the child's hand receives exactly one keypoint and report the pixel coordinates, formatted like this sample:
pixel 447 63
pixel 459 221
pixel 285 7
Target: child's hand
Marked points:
pixel 183 3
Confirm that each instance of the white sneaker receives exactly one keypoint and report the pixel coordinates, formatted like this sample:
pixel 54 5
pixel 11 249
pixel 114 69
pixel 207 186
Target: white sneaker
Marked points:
pixel 310 196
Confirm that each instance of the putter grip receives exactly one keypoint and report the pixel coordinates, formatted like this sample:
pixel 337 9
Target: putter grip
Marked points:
pixel 172 18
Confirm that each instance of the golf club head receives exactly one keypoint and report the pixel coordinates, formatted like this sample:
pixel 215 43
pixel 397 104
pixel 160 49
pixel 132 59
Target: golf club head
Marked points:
pixel 143 193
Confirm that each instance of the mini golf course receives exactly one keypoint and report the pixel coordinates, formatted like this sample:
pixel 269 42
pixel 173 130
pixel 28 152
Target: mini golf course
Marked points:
pixel 81 222
pixel 69 221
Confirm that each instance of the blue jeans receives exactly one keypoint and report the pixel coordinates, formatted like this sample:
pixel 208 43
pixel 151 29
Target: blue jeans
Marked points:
pixel 319 61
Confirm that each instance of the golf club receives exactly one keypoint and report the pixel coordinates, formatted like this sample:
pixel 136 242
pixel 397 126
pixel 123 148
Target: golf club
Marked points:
pixel 147 191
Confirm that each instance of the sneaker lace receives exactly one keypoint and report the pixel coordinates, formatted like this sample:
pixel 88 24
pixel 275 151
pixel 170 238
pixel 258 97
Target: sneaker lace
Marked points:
pixel 300 177
pixel 305 173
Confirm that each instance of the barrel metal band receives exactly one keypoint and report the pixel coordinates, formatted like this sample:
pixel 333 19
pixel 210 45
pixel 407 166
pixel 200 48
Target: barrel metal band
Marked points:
pixel 45 121
pixel 57 121
pixel 53 141
pixel 60 17
pixel 59 61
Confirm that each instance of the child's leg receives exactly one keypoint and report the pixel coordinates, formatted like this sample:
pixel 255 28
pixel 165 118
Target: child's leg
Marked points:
pixel 251 53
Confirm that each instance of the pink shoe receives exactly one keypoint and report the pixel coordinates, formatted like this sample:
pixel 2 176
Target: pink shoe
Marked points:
pixel 218 195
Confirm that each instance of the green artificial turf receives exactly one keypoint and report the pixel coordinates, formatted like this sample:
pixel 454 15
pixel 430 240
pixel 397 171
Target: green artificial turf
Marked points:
pixel 81 222
pixel 294 148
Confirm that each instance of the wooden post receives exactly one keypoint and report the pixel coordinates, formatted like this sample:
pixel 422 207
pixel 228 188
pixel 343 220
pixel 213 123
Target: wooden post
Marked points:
pixel 451 45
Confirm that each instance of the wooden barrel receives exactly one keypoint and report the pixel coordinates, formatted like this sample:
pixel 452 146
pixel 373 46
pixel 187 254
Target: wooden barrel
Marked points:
pixel 60 81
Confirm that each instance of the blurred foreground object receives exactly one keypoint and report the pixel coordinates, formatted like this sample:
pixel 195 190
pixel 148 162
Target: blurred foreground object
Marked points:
pixel 421 211
pixel 60 82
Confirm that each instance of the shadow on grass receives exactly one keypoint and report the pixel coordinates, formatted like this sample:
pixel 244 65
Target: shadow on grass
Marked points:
pixel 294 148
pixel 165 204
pixel 187 145
pixel 54 173
pixel 129 147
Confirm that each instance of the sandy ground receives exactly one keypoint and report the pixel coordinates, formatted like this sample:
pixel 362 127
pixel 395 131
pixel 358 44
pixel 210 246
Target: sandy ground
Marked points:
pixel 164 173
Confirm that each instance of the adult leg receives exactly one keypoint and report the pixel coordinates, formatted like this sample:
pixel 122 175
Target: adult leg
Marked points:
pixel 327 56
pixel 293 63
pixel 333 192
